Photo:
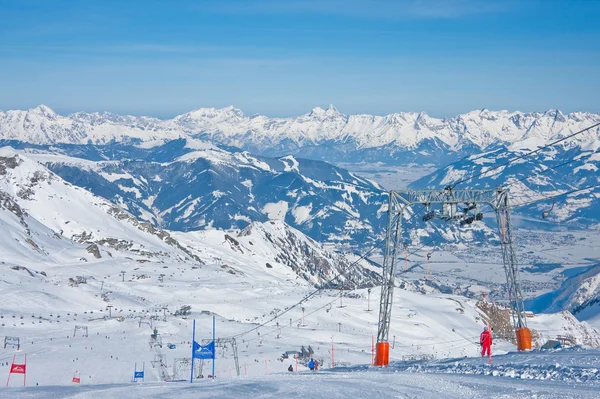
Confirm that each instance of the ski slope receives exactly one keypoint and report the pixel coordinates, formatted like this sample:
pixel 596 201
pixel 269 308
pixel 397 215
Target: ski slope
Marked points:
pixel 563 376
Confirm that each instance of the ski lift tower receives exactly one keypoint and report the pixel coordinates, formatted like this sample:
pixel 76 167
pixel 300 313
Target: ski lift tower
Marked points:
pixel 462 206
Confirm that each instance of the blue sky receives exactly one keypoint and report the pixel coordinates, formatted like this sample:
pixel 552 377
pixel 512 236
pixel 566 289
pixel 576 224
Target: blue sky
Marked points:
pixel 283 57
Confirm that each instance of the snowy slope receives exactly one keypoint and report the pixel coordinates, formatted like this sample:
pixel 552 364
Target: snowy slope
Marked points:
pixel 578 293
pixel 23 238
pixel 547 381
pixel 284 244
pixel 74 212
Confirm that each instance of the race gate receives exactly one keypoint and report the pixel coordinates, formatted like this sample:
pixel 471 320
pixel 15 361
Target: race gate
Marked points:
pixel 83 329
pixel 18 368
pixel 12 341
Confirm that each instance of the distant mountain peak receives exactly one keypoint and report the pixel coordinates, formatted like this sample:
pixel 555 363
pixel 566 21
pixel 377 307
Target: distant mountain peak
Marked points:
pixel 212 112
pixel 44 110
pixel 330 111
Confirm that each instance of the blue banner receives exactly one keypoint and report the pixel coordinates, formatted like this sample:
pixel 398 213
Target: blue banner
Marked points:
pixel 138 374
pixel 204 352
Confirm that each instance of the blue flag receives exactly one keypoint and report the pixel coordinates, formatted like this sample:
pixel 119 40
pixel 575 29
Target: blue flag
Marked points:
pixel 204 352
pixel 138 374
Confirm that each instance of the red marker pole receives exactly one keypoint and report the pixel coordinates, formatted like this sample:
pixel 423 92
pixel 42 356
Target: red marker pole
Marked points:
pixel 490 351
pixel 10 371
pixel 297 361
pixel 372 350
pixel 332 350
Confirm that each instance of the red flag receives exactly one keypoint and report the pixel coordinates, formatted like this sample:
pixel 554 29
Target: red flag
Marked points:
pixel 76 380
pixel 18 369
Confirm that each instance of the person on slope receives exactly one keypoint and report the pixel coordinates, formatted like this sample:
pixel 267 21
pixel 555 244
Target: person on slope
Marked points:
pixel 311 364
pixel 290 369
pixel 485 340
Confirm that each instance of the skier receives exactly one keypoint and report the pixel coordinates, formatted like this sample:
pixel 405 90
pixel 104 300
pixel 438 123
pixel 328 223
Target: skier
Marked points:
pixel 290 369
pixel 485 340
pixel 311 364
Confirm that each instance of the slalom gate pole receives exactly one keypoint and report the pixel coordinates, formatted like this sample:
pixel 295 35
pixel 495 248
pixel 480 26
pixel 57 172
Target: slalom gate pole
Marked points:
pixel 25 373
pixel 193 342
pixel 297 356
pixel 9 372
pixel 214 350
pixel 134 370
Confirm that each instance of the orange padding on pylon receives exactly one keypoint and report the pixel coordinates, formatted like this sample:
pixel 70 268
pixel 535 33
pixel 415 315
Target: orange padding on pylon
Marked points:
pixel 382 357
pixel 524 339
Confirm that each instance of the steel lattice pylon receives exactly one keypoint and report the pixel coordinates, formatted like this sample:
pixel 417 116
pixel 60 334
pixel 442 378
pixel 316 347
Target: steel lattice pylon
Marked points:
pixel 509 259
pixel 222 343
pixel 448 198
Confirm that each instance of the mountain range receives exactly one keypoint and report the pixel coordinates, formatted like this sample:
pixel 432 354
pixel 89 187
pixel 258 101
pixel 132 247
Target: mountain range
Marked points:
pixel 187 185
pixel 323 134
pixel 218 172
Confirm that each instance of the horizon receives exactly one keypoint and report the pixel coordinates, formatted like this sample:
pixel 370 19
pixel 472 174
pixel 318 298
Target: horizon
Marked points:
pixel 68 114
pixel 442 57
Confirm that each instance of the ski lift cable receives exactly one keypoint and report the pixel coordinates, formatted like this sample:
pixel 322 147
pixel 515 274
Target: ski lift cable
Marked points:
pixel 571 160
pixel 312 312
pixel 305 298
pixel 308 296
pixel 544 198
pixel 524 155
pixel 324 285
pixel 551 168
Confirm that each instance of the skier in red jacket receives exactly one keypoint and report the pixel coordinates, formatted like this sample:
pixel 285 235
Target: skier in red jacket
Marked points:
pixel 485 339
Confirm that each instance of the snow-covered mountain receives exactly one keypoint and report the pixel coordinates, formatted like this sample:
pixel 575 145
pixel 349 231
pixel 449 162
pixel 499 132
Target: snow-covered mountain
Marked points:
pixel 282 246
pixel 55 223
pixel 324 134
pixel 189 185
pixel 548 173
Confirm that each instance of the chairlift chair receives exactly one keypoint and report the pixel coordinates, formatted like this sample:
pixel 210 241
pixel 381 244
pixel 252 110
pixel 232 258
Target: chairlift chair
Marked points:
pixel 547 212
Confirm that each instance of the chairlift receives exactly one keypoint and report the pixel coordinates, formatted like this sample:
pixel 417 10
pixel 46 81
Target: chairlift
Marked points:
pixel 547 212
